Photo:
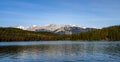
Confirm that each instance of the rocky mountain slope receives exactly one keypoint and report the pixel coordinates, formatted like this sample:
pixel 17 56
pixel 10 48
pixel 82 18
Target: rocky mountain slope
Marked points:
pixel 58 29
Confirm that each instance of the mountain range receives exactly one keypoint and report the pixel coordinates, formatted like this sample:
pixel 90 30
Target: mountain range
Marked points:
pixel 58 29
pixel 111 33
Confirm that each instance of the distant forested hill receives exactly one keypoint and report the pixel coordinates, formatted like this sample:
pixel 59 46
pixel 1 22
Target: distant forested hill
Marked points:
pixel 13 34
pixel 109 33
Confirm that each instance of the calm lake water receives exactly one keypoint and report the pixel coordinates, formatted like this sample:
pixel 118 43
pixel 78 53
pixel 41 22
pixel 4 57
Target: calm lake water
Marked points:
pixel 60 51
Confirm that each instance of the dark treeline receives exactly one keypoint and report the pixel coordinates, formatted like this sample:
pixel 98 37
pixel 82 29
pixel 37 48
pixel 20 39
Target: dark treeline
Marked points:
pixel 13 34
pixel 109 33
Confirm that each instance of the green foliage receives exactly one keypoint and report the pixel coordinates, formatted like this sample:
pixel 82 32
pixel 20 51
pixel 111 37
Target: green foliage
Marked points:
pixel 110 33
pixel 13 34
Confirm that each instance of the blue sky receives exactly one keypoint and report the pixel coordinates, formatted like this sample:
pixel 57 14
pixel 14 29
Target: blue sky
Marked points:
pixel 98 13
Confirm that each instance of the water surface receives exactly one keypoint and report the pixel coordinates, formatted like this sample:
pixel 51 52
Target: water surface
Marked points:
pixel 60 51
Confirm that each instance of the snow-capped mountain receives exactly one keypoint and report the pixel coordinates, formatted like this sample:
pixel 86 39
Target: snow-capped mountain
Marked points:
pixel 29 28
pixel 71 29
pixel 21 27
pixel 59 29
pixel 50 27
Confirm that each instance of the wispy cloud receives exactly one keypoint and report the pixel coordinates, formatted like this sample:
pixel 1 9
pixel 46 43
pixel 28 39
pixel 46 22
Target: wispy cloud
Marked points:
pixel 85 12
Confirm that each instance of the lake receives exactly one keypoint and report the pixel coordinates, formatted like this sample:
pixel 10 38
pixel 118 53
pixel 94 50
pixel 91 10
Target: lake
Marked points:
pixel 60 51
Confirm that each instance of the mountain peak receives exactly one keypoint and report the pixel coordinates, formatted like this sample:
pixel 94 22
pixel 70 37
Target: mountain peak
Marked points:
pixel 34 25
pixel 51 25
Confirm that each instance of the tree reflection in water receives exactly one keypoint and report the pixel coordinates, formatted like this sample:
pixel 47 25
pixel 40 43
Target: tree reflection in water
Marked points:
pixel 60 52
